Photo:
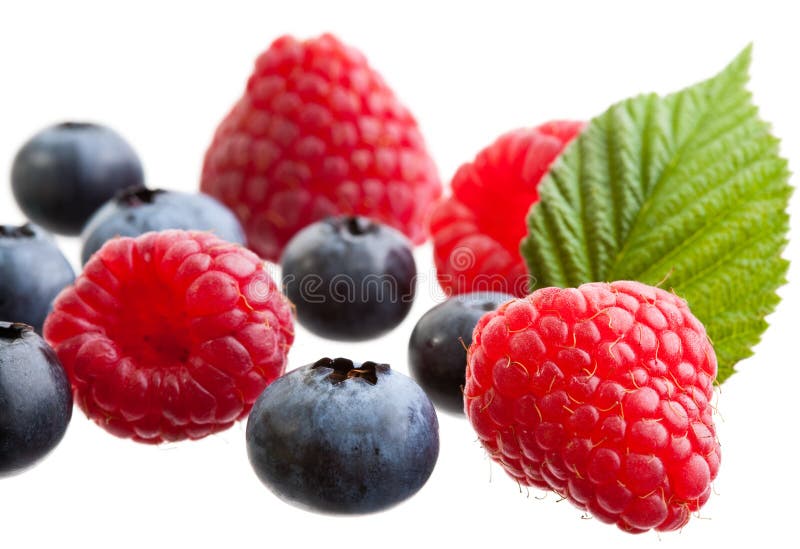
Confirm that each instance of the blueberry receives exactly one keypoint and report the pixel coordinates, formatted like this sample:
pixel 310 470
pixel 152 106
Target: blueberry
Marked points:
pixel 64 173
pixel 35 398
pixel 341 437
pixel 32 273
pixel 437 348
pixel 349 278
pixel 137 210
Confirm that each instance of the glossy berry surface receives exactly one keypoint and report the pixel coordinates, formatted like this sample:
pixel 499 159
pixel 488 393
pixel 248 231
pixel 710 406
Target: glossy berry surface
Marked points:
pixel 349 278
pixel 341 437
pixel 318 133
pixel 35 398
pixel 138 210
pixel 64 173
pixel 437 349
pixel 170 335
pixel 477 230
pixel 32 272
pixel 601 394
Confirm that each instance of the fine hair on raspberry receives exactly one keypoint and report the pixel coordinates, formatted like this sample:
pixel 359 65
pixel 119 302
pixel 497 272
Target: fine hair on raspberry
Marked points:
pixel 602 394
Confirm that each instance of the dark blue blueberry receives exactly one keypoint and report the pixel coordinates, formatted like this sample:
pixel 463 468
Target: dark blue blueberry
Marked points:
pixel 32 273
pixel 437 349
pixel 64 173
pixel 138 210
pixel 349 278
pixel 341 437
pixel 35 398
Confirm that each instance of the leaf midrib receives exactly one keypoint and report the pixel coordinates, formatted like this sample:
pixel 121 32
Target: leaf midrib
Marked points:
pixel 670 165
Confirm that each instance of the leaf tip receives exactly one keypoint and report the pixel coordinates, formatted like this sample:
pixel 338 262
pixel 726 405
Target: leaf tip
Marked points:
pixel 741 63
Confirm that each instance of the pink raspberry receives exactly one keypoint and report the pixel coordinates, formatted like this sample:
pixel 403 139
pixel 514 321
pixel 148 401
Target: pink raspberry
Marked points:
pixel 477 230
pixel 601 394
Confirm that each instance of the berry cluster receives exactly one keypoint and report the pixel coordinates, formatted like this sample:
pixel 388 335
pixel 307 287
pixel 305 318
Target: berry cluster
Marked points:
pixel 175 330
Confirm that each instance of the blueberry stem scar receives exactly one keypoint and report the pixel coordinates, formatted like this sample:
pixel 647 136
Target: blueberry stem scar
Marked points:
pixel 136 195
pixel 344 369
pixel 13 330
pixel 75 125
pixel 358 226
pixel 17 232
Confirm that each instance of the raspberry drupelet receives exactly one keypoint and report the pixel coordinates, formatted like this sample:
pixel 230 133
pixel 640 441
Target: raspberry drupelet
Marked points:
pixel 170 335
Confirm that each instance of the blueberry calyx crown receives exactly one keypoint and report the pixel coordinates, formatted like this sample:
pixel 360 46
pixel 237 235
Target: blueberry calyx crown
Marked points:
pixel 14 330
pixel 11 231
pixel 72 125
pixel 344 369
pixel 137 195
pixel 354 225
pixel 486 306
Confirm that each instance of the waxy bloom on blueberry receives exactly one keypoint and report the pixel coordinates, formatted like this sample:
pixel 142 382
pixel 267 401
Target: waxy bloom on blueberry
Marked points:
pixel 342 437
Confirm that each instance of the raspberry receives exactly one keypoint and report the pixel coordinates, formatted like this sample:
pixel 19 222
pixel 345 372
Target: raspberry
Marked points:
pixel 477 231
pixel 318 133
pixel 601 394
pixel 170 335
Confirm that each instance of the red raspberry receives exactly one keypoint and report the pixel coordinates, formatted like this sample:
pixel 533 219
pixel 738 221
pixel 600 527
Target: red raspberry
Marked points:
pixel 318 133
pixel 600 393
pixel 477 231
pixel 170 335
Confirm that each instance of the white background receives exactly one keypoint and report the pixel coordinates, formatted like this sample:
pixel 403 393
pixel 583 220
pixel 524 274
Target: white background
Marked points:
pixel 164 76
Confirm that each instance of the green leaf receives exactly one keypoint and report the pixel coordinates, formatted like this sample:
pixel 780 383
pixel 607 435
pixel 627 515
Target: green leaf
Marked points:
pixel 687 190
